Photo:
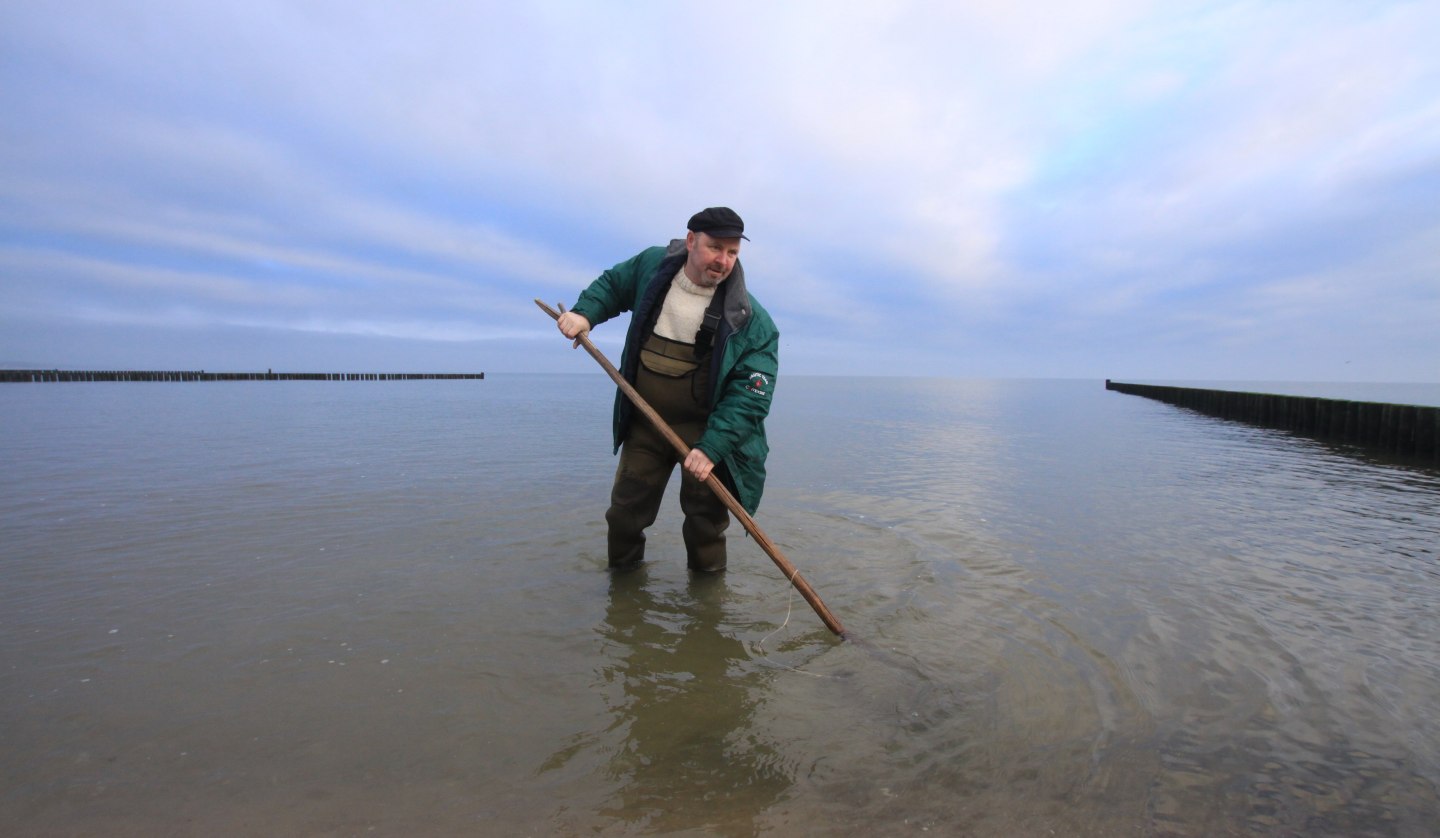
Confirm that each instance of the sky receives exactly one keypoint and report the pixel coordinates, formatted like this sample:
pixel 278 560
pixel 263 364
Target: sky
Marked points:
pixel 1106 189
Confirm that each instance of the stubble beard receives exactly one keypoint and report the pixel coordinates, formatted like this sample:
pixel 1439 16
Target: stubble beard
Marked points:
pixel 704 279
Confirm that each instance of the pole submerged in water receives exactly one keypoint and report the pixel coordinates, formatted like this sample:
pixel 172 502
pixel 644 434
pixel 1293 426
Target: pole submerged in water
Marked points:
pixel 790 571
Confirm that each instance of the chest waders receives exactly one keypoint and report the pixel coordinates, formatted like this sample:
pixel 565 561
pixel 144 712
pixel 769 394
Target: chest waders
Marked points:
pixel 675 380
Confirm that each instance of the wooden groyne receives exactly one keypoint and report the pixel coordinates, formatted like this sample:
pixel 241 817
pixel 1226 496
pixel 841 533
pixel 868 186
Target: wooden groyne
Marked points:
pixel 1404 429
pixel 28 376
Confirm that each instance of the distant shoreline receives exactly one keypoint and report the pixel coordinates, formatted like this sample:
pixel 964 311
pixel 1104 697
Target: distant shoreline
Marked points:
pixel 37 376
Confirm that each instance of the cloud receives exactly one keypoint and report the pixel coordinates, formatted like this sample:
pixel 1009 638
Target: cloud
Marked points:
pixel 1045 186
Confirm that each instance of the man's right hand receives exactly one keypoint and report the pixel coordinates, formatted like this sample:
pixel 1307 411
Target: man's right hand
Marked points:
pixel 573 325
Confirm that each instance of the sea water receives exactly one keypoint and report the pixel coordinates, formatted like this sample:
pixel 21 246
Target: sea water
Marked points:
pixel 382 608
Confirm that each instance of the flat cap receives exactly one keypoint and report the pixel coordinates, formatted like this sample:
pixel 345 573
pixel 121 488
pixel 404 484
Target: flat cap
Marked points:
pixel 720 222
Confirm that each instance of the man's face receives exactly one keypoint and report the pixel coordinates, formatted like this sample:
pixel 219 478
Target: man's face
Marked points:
pixel 709 259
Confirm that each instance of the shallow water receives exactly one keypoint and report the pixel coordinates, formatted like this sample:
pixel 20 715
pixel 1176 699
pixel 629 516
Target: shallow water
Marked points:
pixel 381 608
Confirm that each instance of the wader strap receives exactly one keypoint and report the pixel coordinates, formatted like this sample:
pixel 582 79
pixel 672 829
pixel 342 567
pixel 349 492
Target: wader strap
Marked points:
pixel 706 336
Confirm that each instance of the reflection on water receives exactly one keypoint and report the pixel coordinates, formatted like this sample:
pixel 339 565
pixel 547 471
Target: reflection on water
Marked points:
pixel 688 758
pixel 354 610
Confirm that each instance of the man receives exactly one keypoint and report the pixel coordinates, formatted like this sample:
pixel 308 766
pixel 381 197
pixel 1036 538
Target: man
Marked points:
pixel 703 353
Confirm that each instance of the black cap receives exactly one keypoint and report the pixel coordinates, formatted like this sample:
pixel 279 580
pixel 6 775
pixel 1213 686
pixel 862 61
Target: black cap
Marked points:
pixel 720 222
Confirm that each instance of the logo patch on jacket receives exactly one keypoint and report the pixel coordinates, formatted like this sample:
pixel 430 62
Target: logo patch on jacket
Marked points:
pixel 758 384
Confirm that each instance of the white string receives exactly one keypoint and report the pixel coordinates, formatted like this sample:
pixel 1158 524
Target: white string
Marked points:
pixel 789 606
pixel 789 603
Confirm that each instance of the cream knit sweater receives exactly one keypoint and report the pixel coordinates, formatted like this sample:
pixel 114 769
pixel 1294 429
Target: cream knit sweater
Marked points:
pixel 684 309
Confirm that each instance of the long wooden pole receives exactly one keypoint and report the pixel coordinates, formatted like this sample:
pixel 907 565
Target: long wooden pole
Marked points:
pixel 791 573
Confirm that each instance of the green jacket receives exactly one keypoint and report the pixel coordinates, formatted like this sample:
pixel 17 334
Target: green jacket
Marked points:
pixel 743 363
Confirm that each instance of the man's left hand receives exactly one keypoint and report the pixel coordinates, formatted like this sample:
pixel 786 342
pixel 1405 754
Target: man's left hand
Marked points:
pixel 698 465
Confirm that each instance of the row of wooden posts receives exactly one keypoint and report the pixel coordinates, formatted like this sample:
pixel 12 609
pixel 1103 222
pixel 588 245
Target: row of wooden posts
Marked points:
pixel 1406 430
pixel 22 376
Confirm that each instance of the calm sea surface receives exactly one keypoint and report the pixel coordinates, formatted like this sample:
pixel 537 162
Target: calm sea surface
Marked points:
pixel 301 608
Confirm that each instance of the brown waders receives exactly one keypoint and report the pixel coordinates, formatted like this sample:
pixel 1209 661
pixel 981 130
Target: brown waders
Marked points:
pixel 673 382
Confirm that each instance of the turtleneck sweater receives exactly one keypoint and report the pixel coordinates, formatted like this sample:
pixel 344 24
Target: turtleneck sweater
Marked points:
pixel 684 309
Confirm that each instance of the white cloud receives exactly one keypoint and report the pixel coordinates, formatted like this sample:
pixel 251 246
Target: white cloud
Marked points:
pixel 1020 168
pixel 48 267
